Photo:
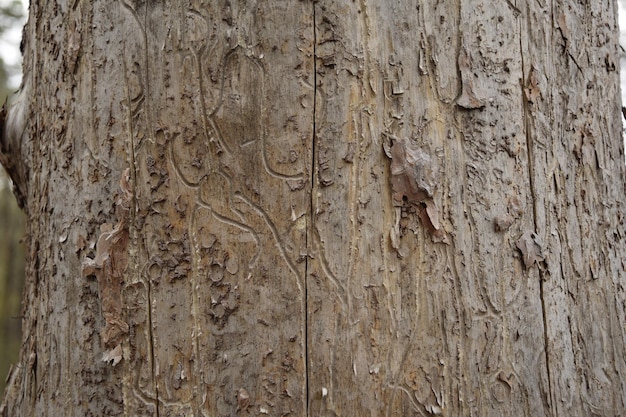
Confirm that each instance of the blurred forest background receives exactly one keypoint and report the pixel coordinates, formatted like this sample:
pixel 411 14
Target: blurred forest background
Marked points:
pixel 12 18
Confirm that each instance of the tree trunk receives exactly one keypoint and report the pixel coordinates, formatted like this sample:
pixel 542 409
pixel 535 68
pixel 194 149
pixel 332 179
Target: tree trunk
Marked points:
pixel 324 208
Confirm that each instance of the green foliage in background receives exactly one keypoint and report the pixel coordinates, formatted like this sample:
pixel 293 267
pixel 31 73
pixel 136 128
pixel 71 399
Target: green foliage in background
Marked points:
pixel 11 224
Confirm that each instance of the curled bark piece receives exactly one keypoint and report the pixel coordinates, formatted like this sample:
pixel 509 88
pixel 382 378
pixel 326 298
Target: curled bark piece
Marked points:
pixel 412 172
pixel 413 181
pixel 530 247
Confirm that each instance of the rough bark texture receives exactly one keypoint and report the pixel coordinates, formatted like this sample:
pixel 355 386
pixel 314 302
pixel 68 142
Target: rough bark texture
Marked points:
pixel 330 208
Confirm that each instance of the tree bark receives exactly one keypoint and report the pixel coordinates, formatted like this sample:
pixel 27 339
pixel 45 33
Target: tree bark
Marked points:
pixel 326 208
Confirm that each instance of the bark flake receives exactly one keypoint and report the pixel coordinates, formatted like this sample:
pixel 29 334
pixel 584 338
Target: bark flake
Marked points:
pixel 109 266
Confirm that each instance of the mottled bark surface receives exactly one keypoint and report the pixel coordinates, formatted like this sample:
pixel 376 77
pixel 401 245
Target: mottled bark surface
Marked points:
pixel 523 309
pixel 330 208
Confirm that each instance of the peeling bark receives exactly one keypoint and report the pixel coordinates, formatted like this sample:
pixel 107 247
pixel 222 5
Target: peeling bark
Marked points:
pixel 110 266
pixel 290 171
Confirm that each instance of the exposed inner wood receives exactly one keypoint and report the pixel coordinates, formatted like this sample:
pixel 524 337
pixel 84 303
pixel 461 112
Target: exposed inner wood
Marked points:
pixel 332 208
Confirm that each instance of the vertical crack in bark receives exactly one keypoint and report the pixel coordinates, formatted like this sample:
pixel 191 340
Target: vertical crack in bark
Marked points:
pixel 531 171
pixel 309 229
pixel 151 353
pixel 133 230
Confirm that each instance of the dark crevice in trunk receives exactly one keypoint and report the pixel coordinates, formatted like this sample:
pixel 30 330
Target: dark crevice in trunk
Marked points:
pixel 309 229
pixel 527 117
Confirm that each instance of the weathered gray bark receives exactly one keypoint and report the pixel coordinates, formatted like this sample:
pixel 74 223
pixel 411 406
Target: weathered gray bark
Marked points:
pixel 322 208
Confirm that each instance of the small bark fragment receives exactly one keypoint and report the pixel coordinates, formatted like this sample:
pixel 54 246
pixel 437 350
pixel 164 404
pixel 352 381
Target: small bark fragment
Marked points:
pixel 243 399
pixel 467 99
pixel 533 89
pixel 530 247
